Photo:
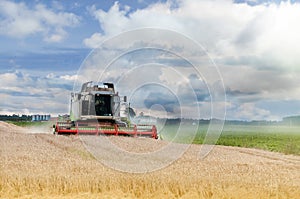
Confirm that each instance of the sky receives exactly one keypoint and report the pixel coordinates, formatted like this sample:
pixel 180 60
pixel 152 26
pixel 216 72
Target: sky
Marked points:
pixel 241 58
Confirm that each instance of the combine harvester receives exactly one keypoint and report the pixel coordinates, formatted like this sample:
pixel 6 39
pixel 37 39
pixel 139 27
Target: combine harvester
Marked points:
pixel 95 110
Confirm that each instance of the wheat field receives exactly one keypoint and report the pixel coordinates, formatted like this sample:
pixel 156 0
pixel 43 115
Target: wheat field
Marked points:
pixel 48 166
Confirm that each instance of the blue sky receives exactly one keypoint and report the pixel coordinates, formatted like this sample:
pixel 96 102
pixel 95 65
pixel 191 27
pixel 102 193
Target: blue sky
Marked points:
pixel 255 44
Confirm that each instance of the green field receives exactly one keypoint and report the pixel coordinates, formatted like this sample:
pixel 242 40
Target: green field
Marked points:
pixel 278 138
pixel 29 123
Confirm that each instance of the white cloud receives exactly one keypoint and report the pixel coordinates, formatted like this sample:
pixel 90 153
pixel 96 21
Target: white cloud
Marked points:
pixel 249 110
pixel 267 33
pixel 23 93
pixel 19 21
pixel 8 79
pixel 114 16
pixel 55 37
pixel 256 47
pixel 69 77
pixel 94 41
pixel 249 84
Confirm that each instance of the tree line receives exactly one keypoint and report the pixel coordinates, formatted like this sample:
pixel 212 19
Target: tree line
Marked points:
pixel 15 117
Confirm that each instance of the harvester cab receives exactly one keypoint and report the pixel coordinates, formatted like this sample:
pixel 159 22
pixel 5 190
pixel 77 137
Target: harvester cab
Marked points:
pixel 96 110
pixel 96 102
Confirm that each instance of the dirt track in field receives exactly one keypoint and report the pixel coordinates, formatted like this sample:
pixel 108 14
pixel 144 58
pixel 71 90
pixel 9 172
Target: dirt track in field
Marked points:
pixel 48 166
